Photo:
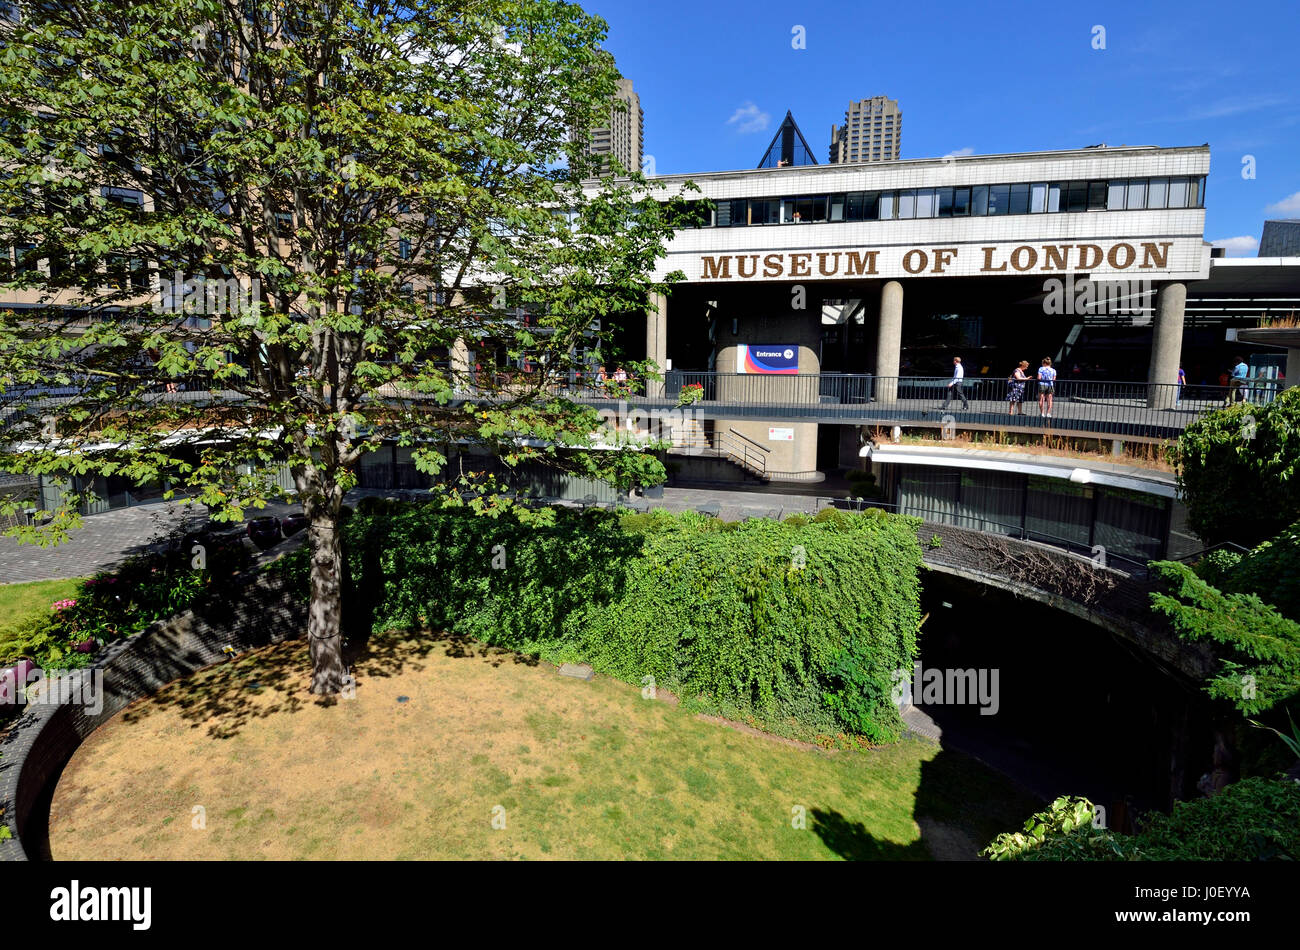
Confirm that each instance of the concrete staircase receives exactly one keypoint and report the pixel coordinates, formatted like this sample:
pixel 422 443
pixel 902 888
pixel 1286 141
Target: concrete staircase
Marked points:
pixel 708 456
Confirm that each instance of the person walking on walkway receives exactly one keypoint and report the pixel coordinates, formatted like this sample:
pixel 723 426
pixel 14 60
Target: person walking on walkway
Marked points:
pixel 1016 388
pixel 1239 374
pixel 1046 387
pixel 954 387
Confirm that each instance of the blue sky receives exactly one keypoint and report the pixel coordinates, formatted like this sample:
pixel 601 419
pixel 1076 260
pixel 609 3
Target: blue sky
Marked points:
pixel 980 78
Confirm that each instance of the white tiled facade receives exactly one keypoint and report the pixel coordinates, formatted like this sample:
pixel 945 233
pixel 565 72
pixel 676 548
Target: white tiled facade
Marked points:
pixel 1178 233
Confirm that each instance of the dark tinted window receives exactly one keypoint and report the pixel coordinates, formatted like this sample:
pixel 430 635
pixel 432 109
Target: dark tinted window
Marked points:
pixel 1019 199
pixel 999 199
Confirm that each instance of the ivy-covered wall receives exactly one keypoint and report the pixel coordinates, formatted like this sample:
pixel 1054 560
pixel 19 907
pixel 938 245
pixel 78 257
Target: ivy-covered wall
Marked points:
pixel 796 625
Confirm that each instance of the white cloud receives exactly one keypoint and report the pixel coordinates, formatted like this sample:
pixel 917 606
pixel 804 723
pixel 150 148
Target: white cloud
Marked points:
pixel 1288 205
pixel 959 152
pixel 749 118
pixel 1243 246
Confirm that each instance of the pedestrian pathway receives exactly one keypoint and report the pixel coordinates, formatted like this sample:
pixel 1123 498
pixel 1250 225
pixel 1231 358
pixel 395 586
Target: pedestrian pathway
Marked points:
pixel 103 541
pixel 106 539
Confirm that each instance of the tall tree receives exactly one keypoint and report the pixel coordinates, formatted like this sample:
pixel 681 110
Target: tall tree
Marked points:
pixel 251 232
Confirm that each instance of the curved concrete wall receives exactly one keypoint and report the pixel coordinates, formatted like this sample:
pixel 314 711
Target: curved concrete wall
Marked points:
pixel 34 750
pixel 261 612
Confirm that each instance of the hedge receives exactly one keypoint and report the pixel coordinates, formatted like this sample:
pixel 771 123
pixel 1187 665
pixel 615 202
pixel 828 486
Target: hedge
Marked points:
pixel 796 626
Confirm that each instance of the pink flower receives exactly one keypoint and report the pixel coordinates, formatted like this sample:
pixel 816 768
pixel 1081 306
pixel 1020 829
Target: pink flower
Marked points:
pixel 64 604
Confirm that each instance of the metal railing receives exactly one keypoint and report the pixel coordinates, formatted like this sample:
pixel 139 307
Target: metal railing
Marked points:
pixel 1108 559
pixel 732 446
pixel 1154 410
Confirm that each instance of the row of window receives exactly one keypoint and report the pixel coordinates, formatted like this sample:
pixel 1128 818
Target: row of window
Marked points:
pixel 1124 194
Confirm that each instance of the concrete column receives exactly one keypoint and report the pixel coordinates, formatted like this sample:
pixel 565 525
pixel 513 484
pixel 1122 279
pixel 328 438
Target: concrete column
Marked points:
pixel 656 341
pixel 889 341
pixel 1167 345
pixel 786 459
pixel 460 367
pixel 1292 367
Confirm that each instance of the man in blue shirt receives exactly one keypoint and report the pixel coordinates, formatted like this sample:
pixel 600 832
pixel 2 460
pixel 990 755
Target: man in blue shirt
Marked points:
pixel 954 387
pixel 1239 374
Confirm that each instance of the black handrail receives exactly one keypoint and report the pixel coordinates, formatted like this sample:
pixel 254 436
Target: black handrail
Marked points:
pixel 1023 533
pixel 757 445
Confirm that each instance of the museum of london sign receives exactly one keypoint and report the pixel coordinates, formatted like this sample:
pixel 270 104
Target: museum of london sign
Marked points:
pixel 1133 256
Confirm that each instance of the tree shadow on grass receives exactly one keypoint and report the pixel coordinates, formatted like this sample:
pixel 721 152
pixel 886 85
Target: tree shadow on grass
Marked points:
pixel 853 842
pixel 960 805
pixel 275 680
pixel 228 696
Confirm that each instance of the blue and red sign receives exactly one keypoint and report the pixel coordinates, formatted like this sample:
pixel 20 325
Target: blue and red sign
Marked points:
pixel 775 359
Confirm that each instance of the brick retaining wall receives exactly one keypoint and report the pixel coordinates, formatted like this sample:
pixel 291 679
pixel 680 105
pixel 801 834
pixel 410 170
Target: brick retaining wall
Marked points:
pixel 257 611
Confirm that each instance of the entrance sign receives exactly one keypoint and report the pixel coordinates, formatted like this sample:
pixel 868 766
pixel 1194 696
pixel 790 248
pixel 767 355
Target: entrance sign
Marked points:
pixel 775 434
pixel 1160 257
pixel 777 358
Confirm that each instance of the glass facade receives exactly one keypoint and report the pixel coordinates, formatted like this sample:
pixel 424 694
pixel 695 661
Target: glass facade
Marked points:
pixel 1125 194
pixel 1056 511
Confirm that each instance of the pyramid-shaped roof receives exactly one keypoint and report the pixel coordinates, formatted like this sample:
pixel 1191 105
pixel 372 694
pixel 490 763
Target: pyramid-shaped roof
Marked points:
pixel 788 147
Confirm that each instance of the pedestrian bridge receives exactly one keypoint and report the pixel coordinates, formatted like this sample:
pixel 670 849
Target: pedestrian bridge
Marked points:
pixel 1135 411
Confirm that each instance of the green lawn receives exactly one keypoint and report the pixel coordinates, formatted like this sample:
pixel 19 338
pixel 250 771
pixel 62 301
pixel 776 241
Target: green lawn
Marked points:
pixel 444 737
pixel 19 601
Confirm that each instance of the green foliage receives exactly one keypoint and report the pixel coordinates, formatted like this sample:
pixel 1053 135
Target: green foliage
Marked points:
pixel 1291 741
pixel 935 542
pixel 720 613
pixel 1238 470
pixel 1258 647
pixel 1067 820
pixel 1216 567
pixel 357 207
pixel 110 606
pixel 1271 570
pixel 1254 819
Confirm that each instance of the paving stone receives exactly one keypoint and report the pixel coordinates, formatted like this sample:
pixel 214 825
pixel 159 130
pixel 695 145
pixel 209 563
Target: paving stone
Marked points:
pixel 577 670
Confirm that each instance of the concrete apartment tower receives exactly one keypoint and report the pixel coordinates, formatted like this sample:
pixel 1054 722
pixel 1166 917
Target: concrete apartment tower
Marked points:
pixel 872 132
pixel 622 138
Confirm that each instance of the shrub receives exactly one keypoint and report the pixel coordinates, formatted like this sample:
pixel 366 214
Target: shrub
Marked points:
pixel 1272 570
pixel 1254 819
pixel 120 603
pixel 721 613
pixel 1238 470
pixel 1252 639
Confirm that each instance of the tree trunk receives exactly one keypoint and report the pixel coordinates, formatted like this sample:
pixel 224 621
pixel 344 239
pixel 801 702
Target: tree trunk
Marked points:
pixel 325 618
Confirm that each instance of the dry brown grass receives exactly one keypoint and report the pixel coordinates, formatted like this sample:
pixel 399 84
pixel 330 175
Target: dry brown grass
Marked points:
pixel 581 769
pixel 1151 455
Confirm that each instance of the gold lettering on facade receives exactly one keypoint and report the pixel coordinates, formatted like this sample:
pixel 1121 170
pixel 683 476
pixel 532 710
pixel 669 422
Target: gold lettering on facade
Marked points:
pixel 1113 256
pixel 942 258
pixel 1017 256
pixel 861 263
pixel 1151 257
pixel 1056 256
pixel 988 260
pixel 821 263
pixel 717 267
pixel 799 265
pixel 924 259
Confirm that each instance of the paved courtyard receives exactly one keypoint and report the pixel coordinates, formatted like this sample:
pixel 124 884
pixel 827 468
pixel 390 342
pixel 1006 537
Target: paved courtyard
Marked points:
pixel 106 539
pixel 102 541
